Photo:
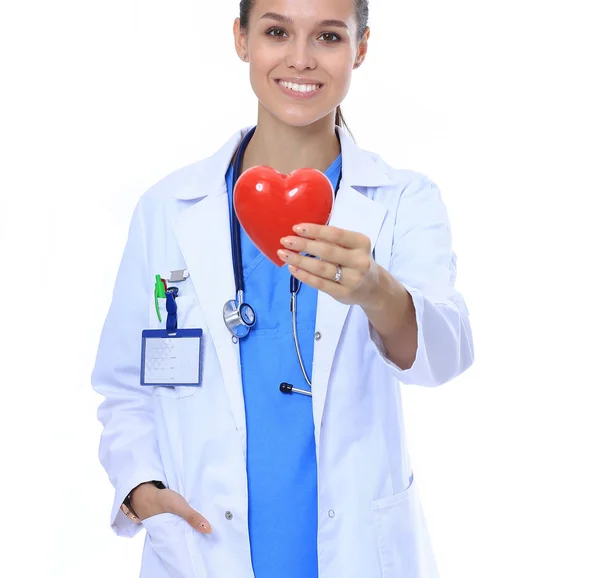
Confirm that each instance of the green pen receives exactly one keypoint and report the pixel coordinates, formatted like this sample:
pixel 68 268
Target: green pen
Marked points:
pixel 159 291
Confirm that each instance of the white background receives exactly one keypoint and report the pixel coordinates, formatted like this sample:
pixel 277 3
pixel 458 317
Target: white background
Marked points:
pixel 498 103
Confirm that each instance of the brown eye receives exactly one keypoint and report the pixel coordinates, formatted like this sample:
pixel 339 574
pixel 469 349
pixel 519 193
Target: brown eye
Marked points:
pixel 275 32
pixel 330 37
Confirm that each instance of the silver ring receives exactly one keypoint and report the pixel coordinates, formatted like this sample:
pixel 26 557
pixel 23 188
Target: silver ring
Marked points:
pixel 338 274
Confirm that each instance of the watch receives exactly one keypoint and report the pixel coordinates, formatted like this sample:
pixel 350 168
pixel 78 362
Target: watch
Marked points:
pixel 126 505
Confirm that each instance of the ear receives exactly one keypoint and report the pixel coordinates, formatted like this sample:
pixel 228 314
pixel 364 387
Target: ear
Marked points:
pixel 363 46
pixel 240 40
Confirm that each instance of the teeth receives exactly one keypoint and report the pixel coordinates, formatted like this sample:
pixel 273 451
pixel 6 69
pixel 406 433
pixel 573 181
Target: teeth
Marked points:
pixel 299 87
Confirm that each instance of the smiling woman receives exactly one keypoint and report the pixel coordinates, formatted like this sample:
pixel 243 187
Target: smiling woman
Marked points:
pixel 328 33
pixel 302 486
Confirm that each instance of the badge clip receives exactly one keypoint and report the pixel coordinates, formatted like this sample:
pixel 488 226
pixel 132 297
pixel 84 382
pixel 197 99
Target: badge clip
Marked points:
pixel 178 276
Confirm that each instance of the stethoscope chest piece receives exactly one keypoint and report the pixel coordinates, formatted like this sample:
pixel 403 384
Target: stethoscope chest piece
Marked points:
pixel 239 317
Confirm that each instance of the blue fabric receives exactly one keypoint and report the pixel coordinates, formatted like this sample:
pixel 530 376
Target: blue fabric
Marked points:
pixel 281 457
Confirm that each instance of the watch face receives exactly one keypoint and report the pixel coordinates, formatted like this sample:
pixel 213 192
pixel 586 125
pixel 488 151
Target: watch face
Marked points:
pixel 247 314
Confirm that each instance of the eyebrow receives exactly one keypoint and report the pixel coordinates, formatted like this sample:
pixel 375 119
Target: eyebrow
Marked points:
pixel 288 20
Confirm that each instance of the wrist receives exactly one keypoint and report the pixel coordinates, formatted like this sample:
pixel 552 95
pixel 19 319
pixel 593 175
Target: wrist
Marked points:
pixel 127 507
pixel 378 295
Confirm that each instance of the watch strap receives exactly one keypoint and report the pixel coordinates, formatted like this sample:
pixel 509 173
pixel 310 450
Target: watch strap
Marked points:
pixel 126 505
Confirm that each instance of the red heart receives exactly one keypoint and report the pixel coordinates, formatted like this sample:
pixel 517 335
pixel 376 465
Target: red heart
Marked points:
pixel 268 204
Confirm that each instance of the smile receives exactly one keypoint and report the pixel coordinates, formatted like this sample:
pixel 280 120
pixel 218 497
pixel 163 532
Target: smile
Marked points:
pixel 299 92
pixel 299 87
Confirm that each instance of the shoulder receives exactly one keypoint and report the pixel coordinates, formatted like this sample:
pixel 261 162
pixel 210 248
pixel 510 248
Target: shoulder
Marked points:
pixel 411 198
pixel 400 177
pixel 404 183
pixel 196 180
pixel 175 191
pixel 161 204
pixel 178 183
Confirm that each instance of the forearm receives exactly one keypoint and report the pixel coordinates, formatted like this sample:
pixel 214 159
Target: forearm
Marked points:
pixel 391 312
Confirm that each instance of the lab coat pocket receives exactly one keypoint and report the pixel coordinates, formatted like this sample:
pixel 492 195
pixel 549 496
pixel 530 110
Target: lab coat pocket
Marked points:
pixel 168 535
pixel 404 548
pixel 188 317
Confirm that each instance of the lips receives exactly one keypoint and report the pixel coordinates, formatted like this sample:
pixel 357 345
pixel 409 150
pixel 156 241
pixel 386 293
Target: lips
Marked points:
pixel 301 90
pixel 310 84
pixel 300 80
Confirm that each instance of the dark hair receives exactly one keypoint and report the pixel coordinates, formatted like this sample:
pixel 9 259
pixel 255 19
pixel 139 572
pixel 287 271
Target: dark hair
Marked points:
pixel 362 17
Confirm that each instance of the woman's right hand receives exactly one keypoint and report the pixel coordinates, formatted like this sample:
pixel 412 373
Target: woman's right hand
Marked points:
pixel 147 500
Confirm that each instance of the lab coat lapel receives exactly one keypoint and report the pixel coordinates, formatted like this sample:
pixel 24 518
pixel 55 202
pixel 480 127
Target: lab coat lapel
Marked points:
pixel 203 234
pixel 353 210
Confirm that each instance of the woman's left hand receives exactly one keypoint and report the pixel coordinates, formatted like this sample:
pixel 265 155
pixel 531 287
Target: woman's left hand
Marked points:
pixel 332 247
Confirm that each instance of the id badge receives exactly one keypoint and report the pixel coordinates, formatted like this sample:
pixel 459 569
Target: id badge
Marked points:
pixel 171 357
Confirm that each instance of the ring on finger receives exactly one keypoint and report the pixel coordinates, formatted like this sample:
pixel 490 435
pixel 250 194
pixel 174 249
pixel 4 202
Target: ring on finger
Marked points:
pixel 338 274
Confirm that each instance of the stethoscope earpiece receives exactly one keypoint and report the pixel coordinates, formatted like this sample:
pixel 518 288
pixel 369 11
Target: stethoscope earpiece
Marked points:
pixel 289 388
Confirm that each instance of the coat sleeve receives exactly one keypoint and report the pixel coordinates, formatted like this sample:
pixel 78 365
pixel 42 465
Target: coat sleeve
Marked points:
pixel 128 446
pixel 424 262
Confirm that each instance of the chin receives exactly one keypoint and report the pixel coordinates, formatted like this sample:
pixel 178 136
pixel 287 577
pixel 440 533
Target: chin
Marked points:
pixel 297 118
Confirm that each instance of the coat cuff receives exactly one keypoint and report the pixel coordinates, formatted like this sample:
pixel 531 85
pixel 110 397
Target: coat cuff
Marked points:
pixel 404 375
pixel 438 337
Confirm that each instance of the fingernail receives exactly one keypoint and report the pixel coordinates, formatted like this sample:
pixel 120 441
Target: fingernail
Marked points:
pixel 282 255
pixel 287 242
pixel 299 228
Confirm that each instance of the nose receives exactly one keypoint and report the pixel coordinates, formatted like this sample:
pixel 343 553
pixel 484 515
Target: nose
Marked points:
pixel 300 55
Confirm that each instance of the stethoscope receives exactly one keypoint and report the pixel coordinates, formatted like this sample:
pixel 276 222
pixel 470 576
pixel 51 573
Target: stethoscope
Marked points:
pixel 238 315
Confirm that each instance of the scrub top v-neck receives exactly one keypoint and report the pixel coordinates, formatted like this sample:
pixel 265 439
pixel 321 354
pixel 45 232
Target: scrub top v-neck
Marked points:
pixel 281 458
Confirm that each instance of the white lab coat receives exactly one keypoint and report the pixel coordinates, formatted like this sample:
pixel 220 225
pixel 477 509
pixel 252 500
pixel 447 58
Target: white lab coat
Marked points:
pixel 370 522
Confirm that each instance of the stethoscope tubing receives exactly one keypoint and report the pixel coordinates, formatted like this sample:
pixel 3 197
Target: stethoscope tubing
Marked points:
pixel 234 314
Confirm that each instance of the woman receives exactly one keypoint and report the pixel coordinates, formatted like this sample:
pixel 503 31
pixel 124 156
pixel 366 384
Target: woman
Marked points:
pixel 232 477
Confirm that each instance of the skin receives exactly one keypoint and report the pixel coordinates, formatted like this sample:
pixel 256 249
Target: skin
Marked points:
pixel 293 134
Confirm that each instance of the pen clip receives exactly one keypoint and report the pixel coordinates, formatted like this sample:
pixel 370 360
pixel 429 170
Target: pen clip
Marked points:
pixel 159 291
pixel 157 306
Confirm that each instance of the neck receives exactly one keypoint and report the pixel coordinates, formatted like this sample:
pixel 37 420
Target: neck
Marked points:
pixel 287 148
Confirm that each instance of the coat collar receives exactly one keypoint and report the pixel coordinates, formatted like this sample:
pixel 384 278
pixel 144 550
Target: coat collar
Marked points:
pixel 360 168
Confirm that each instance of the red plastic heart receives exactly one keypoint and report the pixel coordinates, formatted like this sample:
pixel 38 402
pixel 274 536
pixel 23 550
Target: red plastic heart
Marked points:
pixel 268 204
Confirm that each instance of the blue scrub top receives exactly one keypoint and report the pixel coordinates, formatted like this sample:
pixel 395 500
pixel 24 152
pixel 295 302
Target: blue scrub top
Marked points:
pixel 281 457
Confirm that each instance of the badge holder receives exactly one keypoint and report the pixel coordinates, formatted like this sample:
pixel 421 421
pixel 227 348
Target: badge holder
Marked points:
pixel 171 356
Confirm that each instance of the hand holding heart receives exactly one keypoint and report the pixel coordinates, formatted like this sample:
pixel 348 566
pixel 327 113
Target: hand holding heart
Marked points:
pixel 333 246
pixel 286 215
